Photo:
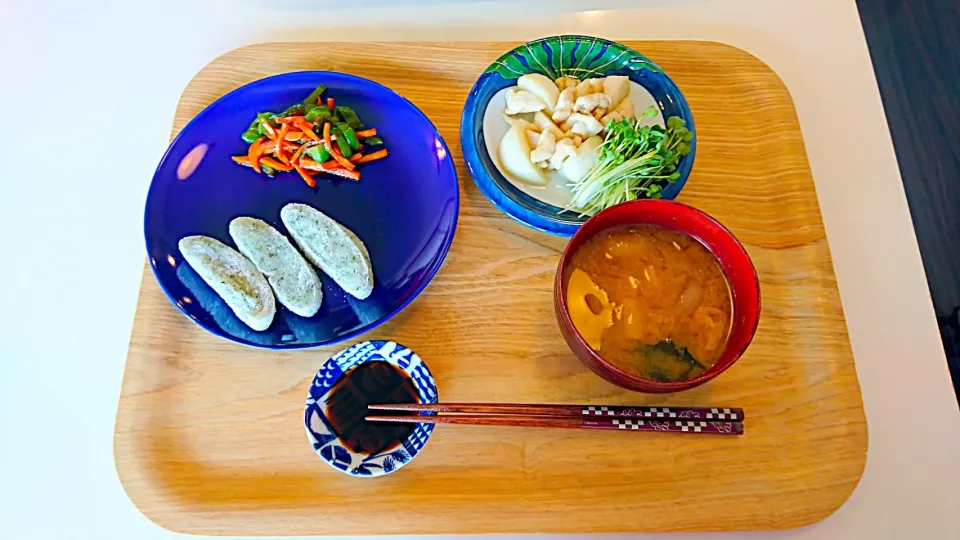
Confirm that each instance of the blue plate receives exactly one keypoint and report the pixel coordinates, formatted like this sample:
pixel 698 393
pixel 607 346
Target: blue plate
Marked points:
pixel 322 437
pixel 404 208
pixel 577 56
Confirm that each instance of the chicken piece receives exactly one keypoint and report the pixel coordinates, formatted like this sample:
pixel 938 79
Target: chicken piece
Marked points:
pixel 565 148
pixel 532 137
pixel 612 116
pixel 546 145
pixel 521 101
pixel 564 105
pixel 561 116
pixel 584 88
pixel 566 82
pixel 625 108
pixel 566 99
pixel 514 120
pixel 589 102
pixel 544 123
pixel 598 113
pixel 582 124
pixel 590 86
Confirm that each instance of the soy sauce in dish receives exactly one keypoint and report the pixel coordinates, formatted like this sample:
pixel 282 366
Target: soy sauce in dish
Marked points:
pixel 372 382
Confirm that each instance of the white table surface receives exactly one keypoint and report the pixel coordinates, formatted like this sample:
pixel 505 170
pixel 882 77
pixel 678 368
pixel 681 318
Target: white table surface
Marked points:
pixel 76 80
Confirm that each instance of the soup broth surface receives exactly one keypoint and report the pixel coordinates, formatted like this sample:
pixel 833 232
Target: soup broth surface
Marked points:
pixel 651 300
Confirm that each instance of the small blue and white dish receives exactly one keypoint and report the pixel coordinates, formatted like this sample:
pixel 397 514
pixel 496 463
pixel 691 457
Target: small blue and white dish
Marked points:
pixel 482 126
pixel 330 446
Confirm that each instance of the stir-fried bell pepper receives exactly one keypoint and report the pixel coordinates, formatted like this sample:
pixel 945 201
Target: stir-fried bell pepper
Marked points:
pixel 311 100
pixel 342 143
pixel 250 135
pixel 293 110
pixel 293 139
pixel 318 153
pixel 318 114
pixel 350 136
pixel 350 117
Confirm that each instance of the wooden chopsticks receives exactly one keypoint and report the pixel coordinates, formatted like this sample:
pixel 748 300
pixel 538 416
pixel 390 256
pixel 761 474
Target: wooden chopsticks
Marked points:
pixel 716 420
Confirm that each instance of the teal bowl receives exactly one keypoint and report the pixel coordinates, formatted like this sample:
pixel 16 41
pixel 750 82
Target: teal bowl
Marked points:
pixel 577 56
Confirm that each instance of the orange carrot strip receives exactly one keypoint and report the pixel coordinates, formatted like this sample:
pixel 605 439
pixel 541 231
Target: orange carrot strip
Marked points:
pixel 274 164
pixel 269 147
pixel 254 152
pixel 330 104
pixel 312 165
pixel 306 177
pixel 242 160
pixel 352 175
pixel 307 163
pixel 342 160
pixel 307 129
pixel 309 133
pixel 296 155
pixel 326 137
pixel 327 165
pixel 370 132
pixel 379 154
pixel 294 135
pixel 286 119
pixel 282 137
pixel 272 133
pixel 356 157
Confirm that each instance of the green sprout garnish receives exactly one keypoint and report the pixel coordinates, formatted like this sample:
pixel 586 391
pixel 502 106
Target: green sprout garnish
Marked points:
pixel 636 162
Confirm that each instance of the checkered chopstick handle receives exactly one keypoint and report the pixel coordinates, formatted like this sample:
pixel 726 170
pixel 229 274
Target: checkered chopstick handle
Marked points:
pixel 722 414
pixel 676 426
pixel 665 413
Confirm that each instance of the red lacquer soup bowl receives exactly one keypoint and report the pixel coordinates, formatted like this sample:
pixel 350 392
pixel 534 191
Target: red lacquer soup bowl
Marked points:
pixel 736 265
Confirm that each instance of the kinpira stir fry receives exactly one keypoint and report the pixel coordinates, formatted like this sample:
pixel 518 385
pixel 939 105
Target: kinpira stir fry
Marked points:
pixel 315 136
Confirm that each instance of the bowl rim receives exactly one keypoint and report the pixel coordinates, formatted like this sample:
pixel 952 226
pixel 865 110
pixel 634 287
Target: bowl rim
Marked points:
pixel 430 273
pixel 635 382
pixel 354 356
pixel 511 203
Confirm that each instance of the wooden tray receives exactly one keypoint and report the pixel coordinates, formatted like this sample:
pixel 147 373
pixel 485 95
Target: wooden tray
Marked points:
pixel 209 436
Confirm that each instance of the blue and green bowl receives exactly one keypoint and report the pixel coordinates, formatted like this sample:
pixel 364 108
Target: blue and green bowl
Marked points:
pixel 556 56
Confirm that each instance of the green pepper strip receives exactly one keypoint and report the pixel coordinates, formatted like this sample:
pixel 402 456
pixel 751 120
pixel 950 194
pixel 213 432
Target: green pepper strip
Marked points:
pixel 318 153
pixel 350 117
pixel 342 143
pixel 311 100
pixel 350 136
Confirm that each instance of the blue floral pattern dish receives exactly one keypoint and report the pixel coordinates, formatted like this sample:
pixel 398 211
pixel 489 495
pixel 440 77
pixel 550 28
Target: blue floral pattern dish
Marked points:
pixel 571 55
pixel 404 209
pixel 326 443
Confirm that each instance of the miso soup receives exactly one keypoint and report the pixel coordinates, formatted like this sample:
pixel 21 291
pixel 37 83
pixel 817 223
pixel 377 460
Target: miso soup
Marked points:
pixel 651 300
